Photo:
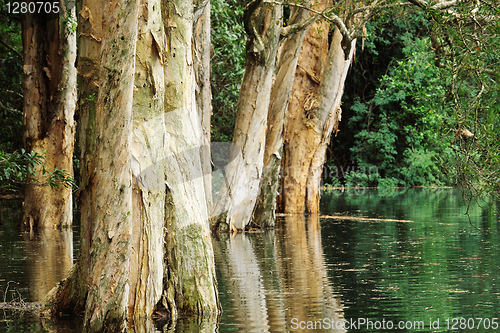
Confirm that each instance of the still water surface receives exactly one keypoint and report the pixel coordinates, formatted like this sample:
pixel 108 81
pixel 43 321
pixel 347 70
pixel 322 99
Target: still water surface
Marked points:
pixel 424 272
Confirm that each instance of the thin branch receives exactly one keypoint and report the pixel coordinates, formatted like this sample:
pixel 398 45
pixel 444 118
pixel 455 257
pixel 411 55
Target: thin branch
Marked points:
pixel 294 28
pixel 250 29
pixel 10 48
pixel 10 109
pixel 334 19
pixel 444 5
pixel 437 6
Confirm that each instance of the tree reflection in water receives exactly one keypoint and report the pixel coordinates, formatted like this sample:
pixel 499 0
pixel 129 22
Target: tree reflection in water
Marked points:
pixel 274 278
pixel 49 256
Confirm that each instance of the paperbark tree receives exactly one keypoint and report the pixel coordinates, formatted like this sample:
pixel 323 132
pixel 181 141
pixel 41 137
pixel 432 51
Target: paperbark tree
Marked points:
pixel 264 214
pixel 49 43
pixel 202 50
pixel 314 112
pixel 190 281
pixel 238 194
pixel 315 106
pixel 140 186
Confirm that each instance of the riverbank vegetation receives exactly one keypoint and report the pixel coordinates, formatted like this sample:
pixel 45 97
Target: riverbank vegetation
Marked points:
pixel 405 111
pixel 409 117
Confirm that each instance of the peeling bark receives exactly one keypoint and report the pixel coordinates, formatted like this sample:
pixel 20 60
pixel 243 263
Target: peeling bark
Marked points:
pixel 202 68
pixel 49 106
pixel 118 273
pixel 189 279
pixel 238 194
pixel 298 133
pixel 141 179
pixel 313 114
pixel 264 214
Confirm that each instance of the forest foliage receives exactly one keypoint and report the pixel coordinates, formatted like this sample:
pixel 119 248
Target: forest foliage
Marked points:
pixel 417 84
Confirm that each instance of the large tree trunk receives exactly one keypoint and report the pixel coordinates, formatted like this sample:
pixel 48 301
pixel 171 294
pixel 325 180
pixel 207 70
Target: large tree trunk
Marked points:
pixel 264 215
pixel 130 148
pixel 189 278
pixel 49 107
pixel 202 48
pixel 119 269
pixel 313 114
pixel 238 194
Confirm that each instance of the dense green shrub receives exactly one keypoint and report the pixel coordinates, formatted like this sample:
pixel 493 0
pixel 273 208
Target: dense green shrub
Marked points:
pixel 395 125
pixel 228 65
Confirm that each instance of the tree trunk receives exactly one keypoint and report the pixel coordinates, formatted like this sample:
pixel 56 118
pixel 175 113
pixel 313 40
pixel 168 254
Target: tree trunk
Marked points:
pixel 49 106
pixel 313 114
pixel 202 47
pixel 119 269
pixel 264 215
pixel 130 148
pixel 238 194
pixel 189 278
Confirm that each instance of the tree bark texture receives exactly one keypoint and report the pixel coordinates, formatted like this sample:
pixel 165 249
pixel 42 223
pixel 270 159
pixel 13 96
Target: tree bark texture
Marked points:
pixel 189 277
pixel 49 106
pixel 264 214
pixel 238 194
pixel 313 114
pixel 202 68
pixel 119 270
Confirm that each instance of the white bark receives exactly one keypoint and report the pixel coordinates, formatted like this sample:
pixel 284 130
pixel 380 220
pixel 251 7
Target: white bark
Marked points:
pixel 239 194
pixel 190 281
pixel 201 49
pixel 264 214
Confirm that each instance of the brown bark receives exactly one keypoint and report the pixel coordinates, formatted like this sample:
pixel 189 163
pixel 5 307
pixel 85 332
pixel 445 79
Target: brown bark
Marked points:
pixel 299 135
pixel 49 105
pixel 313 114
pixel 264 214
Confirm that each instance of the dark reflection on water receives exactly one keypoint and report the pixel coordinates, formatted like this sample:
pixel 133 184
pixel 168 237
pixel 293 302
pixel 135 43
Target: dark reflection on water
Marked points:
pixel 313 271
pixel 271 282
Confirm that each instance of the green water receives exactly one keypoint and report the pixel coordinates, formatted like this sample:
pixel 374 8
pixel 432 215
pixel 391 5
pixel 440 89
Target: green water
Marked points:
pixel 433 270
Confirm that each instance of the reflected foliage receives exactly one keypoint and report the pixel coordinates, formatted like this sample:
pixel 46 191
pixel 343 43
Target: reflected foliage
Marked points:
pixel 439 266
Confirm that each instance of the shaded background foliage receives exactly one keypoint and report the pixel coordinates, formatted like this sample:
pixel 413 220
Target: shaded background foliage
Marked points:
pixel 393 107
pixel 408 95
pixel 228 65
pixel 11 76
